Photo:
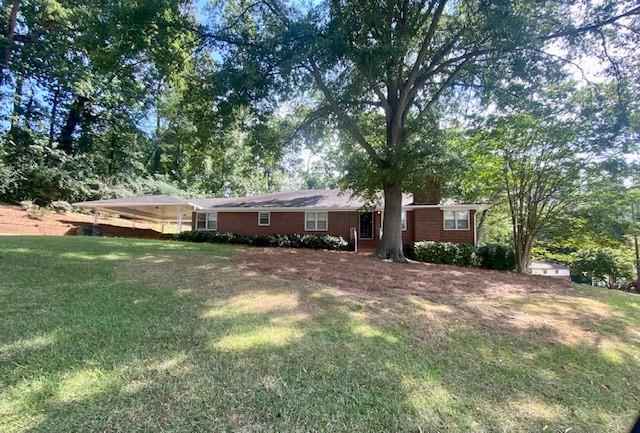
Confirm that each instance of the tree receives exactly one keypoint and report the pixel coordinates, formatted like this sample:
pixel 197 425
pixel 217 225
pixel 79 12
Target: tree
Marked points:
pixel 602 265
pixel 382 71
pixel 547 157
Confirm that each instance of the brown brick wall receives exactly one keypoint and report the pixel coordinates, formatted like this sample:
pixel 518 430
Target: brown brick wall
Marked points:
pixel 422 225
pixel 428 226
pixel 246 223
pixel 407 235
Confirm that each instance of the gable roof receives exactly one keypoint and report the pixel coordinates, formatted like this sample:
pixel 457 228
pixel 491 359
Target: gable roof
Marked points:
pixel 307 199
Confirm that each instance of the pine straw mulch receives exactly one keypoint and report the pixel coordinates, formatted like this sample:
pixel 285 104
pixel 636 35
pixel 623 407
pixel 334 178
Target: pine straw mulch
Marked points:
pixel 364 273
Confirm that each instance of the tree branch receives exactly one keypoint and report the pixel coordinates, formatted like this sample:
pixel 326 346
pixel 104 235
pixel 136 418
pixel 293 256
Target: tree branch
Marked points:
pixel 343 118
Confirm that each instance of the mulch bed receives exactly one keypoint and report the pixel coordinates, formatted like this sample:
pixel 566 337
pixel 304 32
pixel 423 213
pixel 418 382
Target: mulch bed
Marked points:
pixel 359 272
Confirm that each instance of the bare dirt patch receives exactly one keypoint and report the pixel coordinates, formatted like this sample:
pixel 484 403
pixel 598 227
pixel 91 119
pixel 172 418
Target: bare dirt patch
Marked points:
pixel 357 272
pixel 16 222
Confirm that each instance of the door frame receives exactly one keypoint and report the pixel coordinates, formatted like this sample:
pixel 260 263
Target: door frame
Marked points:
pixel 373 226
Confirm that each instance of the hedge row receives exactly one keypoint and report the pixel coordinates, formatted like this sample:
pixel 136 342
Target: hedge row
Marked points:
pixel 318 242
pixel 491 256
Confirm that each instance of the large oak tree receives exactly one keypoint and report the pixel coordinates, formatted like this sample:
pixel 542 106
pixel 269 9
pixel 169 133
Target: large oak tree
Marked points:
pixel 381 70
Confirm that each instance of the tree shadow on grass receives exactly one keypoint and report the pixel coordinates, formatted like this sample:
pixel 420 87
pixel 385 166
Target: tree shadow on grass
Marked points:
pixel 184 341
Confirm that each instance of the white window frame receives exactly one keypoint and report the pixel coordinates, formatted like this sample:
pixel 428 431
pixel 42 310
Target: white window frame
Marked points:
pixel 403 220
pixel 268 219
pixel 455 219
pixel 315 221
pixel 206 221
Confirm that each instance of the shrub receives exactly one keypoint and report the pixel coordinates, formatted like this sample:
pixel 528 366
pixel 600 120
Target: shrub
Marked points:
pixel 496 256
pixel 447 253
pixel 409 251
pixel 275 240
pixel 61 206
pixel 33 210
pixel 604 266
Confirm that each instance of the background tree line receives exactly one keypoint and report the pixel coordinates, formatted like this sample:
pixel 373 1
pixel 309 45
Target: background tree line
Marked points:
pixel 109 98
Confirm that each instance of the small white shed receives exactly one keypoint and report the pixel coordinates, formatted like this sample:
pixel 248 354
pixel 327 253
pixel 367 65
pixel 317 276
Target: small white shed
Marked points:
pixel 549 269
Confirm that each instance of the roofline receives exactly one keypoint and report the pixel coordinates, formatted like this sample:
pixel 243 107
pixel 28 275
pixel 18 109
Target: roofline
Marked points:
pixel 100 203
pixel 336 209
pixel 476 206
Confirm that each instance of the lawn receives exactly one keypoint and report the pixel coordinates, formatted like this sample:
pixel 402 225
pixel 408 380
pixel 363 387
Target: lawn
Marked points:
pixel 104 334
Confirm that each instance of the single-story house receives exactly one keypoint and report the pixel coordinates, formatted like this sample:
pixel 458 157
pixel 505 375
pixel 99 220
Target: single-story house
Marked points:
pixel 326 211
pixel 549 269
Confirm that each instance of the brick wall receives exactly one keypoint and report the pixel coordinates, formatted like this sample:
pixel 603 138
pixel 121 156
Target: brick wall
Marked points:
pixel 408 234
pixel 422 225
pixel 428 226
pixel 246 223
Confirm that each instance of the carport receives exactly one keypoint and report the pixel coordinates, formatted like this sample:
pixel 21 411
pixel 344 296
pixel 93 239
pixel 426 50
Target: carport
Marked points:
pixel 161 209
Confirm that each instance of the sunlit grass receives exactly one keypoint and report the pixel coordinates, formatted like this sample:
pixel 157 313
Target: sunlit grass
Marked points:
pixel 132 335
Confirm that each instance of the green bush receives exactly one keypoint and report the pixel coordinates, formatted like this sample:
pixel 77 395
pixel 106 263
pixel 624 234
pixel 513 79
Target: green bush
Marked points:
pixel 496 256
pixel 61 206
pixel 324 242
pixel 605 266
pixel 409 250
pixel 447 253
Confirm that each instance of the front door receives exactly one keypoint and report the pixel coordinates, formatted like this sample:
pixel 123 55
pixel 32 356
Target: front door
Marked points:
pixel 366 225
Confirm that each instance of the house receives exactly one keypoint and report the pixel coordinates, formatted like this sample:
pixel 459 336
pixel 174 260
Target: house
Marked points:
pixel 549 269
pixel 327 211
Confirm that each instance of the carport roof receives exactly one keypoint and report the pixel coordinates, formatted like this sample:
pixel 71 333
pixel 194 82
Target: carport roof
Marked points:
pixel 150 207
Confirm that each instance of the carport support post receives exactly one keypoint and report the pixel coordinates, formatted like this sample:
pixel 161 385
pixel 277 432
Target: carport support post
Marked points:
pixel 179 220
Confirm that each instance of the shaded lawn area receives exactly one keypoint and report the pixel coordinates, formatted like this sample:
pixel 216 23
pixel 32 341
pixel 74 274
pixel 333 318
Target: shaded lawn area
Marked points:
pixel 129 335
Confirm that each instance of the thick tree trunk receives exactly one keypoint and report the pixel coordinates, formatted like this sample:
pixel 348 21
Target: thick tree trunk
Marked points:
pixel 524 245
pixel 10 31
pixel 73 118
pixel 390 246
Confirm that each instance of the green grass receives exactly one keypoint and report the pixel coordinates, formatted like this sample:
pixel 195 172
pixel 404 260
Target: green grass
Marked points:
pixel 129 335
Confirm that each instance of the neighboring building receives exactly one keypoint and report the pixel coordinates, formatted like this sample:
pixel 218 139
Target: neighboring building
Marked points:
pixel 325 211
pixel 549 269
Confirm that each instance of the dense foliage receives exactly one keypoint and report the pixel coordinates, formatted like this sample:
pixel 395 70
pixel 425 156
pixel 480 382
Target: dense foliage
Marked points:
pixel 447 253
pixel 322 242
pixel 489 256
pixel 604 266
pixel 496 256
pixel 110 98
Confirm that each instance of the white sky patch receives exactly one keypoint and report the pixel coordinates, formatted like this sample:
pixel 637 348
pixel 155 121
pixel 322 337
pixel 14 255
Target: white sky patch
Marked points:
pixel 586 67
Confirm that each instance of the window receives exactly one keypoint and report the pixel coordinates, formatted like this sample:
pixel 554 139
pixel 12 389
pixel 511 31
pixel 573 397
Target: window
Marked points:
pixel 456 220
pixel 403 220
pixel 315 221
pixel 207 221
pixel 264 218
